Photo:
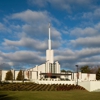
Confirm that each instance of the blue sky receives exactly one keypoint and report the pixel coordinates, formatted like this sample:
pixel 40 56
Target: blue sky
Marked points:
pixel 75 32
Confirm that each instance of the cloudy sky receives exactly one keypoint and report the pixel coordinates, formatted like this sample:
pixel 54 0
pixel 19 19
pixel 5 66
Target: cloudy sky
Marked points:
pixel 75 32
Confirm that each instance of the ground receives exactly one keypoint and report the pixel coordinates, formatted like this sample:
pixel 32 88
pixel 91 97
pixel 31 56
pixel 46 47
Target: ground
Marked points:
pixel 49 95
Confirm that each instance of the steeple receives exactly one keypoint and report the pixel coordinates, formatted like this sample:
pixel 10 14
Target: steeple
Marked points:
pixel 49 32
pixel 49 52
pixel 49 41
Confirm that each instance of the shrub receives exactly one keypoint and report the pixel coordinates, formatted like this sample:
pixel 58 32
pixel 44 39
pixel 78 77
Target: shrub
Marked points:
pixel 9 75
pixel 20 75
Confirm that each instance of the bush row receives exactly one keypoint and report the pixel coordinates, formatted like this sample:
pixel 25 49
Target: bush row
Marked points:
pixel 38 87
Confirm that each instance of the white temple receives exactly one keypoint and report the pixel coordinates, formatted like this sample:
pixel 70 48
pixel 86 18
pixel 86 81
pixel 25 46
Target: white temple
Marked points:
pixel 50 68
pixel 49 71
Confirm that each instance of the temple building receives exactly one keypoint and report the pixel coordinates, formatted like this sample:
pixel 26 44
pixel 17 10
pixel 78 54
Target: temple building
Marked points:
pixel 49 71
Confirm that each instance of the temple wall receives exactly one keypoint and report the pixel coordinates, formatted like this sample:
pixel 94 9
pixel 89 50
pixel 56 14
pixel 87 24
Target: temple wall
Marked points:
pixel 54 82
pixel 16 74
pixel 90 85
pixel 85 76
pixel 4 74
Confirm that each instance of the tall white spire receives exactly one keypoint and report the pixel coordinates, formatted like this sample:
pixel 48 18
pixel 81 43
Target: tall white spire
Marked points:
pixel 49 52
pixel 49 41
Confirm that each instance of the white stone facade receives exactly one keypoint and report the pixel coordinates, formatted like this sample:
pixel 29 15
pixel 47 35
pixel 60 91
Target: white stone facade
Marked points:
pixel 34 74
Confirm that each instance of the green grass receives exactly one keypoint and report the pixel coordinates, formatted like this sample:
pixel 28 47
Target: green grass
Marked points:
pixel 49 95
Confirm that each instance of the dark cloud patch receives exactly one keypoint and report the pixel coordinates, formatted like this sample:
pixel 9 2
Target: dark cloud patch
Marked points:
pixel 5 66
pixel 21 58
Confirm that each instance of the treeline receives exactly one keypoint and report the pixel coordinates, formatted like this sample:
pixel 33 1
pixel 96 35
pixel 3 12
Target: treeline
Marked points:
pixel 89 70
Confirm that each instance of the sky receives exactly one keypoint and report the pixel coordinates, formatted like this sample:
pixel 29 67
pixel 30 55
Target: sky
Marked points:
pixel 75 32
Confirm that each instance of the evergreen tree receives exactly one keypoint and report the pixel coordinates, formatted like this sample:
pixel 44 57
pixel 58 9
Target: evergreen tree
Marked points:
pixel 20 75
pixel 98 74
pixel 9 75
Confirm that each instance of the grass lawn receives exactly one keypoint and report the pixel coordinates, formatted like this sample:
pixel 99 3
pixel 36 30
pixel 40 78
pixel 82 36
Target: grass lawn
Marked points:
pixel 49 95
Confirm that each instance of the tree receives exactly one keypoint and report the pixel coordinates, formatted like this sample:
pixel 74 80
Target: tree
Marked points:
pixel 0 75
pixel 68 71
pixel 9 75
pixel 63 70
pixel 85 69
pixel 20 75
pixel 98 74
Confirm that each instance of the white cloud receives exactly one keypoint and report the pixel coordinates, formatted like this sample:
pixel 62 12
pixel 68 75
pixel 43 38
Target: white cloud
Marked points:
pixel 30 16
pixel 66 57
pixel 2 27
pixel 86 42
pixel 68 5
pixel 22 58
pixel 64 52
pixel 33 35
pixel 15 27
pixel 95 59
pixel 40 31
pixel 69 58
pixel 33 31
pixel 88 52
pixel 88 63
pixel 55 34
pixel 28 43
pixel 69 55
pixel 87 31
pixel 92 15
pixel 35 24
